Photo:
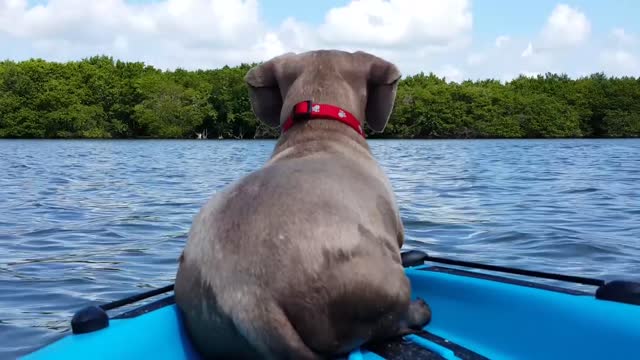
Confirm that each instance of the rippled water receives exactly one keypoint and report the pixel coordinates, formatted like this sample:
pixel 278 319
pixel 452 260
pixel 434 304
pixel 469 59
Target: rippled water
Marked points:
pixel 88 221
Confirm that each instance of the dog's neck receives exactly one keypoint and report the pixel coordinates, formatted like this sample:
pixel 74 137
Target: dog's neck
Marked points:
pixel 308 110
pixel 320 135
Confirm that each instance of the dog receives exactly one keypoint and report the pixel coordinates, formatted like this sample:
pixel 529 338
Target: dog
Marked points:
pixel 300 259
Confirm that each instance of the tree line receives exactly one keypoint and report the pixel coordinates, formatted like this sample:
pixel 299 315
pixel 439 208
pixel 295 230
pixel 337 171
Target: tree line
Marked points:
pixel 100 97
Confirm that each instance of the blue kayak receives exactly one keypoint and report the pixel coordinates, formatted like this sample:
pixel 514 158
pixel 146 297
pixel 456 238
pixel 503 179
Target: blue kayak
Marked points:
pixel 479 312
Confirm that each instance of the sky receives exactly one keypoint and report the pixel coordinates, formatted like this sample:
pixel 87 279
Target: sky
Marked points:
pixel 455 39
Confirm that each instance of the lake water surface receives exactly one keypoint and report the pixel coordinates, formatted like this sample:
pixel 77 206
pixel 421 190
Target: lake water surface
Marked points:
pixel 84 221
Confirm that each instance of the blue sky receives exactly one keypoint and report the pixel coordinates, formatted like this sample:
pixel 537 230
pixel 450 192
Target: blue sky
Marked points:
pixel 454 38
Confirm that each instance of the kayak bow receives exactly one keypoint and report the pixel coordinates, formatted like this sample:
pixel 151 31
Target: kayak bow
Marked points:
pixel 478 313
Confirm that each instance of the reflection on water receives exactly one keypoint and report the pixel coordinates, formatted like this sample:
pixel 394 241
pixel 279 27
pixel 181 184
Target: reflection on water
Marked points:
pixel 89 221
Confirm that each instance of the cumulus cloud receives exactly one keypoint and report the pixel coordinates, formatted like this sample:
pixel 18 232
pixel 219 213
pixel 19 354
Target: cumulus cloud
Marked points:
pixel 502 40
pixel 408 32
pixel 477 58
pixel 397 23
pixel 620 62
pixel 621 37
pixel 528 52
pixel 561 44
pixel 209 33
pixel 193 22
pixel 162 30
pixel 565 27
pixel 418 35
pixel 451 73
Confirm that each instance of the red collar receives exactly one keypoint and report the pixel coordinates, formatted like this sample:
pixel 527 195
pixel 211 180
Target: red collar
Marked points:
pixel 307 110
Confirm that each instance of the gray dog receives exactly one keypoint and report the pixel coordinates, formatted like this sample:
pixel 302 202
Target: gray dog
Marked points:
pixel 301 258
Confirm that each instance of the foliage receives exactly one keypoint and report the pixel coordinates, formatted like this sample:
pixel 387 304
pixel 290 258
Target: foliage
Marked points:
pixel 100 97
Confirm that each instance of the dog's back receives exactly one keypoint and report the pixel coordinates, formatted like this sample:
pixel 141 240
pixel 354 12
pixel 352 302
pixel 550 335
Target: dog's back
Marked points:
pixel 300 258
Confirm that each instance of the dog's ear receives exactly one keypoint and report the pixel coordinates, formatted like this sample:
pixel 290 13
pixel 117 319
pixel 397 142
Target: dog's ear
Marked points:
pixel 382 84
pixel 264 90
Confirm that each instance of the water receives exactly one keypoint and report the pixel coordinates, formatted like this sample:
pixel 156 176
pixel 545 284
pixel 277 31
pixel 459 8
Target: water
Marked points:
pixel 84 221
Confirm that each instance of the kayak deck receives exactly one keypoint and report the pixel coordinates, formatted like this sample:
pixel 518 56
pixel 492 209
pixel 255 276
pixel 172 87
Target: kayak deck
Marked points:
pixel 476 315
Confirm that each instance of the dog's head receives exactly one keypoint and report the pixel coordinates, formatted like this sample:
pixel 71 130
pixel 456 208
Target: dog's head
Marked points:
pixel 361 83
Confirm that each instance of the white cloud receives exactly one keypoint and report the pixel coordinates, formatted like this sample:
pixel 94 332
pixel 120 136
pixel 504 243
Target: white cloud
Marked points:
pixel 474 59
pixel 160 32
pixel 297 36
pixel 565 27
pixel 211 33
pixel 621 37
pixel 528 52
pixel 502 40
pixel 418 35
pixel 620 62
pixel 563 45
pixel 451 73
pixel 621 56
pixel 191 21
pixel 397 23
